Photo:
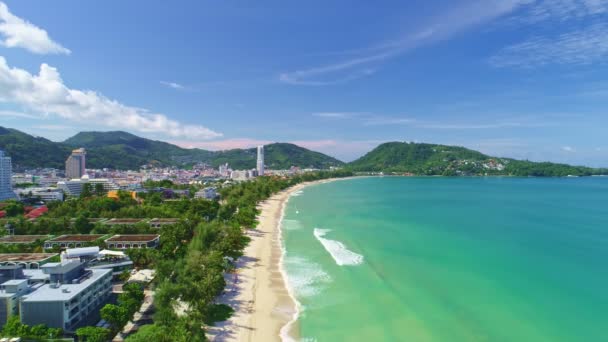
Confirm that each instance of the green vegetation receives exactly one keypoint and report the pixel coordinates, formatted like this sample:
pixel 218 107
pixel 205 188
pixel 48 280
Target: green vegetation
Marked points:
pixel 13 208
pixel 93 334
pixel 429 159
pixel 121 150
pixel 219 313
pixel 27 151
pixel 14 328
pixel 117 315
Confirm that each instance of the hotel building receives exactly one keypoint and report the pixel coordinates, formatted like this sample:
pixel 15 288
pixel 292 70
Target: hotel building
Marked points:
pixel 6 171
pixel 75 164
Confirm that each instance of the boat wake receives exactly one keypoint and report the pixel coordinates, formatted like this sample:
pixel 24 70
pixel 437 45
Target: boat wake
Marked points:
pixel 342 255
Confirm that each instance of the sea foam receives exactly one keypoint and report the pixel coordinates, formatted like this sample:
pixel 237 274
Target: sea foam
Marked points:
pixel 291 224
pixel 306 278
pixel 342 255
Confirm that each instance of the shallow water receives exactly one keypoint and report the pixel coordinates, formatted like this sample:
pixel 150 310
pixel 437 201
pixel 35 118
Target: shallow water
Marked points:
pixel 450 259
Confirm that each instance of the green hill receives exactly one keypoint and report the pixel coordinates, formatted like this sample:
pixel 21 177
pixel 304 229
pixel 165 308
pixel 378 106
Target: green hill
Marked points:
pixel 431 159
pixel 121 150
pixel 276 156
pixel 28 151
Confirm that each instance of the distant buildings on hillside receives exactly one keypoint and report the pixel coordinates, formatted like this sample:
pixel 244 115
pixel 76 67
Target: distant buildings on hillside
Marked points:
pixel 49 184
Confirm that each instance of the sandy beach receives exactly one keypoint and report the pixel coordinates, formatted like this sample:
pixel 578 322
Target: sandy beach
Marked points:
pixel 257 291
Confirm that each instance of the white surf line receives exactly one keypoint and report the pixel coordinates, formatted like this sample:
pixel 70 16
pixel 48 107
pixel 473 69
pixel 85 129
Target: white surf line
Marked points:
pixel 342 255
pixel 284 332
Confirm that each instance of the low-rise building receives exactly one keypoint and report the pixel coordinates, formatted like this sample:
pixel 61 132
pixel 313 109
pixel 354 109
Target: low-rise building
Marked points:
pixel 72 241
pixel 45 194
pixel 26 260
pixel 73 295
pixel 123 221
pixel 10 293
pixel 73 188
pixel 159 222
pixel 133 241
pixel 209 193
pixel 15 282
pixel 22 239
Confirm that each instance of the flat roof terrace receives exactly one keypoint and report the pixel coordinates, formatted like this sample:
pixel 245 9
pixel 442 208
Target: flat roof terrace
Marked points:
pixel 127 221
pixel 133 238
pixel 77 238
pixel 16 239
pixel 91 219
pixel 25 257
pixel 160 221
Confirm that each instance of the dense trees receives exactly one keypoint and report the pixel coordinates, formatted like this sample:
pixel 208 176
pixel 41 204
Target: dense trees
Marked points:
pixel 13 208
pixel 128 303
pixel 14 328
pixel 93 334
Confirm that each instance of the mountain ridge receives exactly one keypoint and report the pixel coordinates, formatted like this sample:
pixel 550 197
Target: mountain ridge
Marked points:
pixel 123 150
pixel 436 159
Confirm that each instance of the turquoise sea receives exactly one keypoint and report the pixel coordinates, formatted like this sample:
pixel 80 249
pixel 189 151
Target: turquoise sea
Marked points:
pixel 450 259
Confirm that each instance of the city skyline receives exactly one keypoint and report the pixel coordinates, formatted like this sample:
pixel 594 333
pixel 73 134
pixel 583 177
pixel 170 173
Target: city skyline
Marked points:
pixel 521 79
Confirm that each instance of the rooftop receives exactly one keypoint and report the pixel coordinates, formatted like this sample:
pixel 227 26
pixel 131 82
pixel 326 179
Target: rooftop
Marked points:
pixel 123 221
pixel 164 220
pixel 26 257
pixel 133 238
pixel 64 292
pixel 77 238
pixel 23 238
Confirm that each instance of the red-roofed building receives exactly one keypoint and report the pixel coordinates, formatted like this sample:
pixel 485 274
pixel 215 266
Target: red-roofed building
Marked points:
pixel 34 214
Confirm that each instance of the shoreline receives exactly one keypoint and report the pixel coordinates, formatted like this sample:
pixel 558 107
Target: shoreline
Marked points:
pixel 265 308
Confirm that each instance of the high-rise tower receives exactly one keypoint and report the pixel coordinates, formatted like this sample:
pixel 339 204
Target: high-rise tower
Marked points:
pixel 6 174
pixel 75 165
pixel 260 164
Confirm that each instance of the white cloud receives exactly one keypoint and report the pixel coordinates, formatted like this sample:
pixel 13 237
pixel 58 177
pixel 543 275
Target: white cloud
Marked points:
pixel 23 34
pixel 15 114
pixel 383 121
pixel 54 127
pixel 567 32
pixel 366 61
pixel 580 47
pixel 336 115
pixel 568 149
pixel 560 10
pixel 46 93
pixel 173 85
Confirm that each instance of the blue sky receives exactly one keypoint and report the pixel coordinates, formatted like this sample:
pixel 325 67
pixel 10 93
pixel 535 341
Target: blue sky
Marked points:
pixel 515 78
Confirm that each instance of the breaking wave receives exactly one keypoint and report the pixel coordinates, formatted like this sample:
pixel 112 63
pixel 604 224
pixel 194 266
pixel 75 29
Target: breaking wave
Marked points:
pixel 342 255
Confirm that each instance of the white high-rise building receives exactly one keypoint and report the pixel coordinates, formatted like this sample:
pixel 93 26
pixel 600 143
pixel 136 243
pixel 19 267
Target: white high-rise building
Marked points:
pixel 6 174
pixel 260 164
pixel 75 165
